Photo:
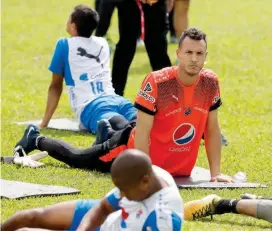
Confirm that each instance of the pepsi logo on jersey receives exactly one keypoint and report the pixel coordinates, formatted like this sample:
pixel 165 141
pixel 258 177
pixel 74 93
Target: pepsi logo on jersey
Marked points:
pixel 184 134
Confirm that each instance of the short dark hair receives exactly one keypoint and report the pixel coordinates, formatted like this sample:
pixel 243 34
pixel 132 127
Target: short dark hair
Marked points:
pixel 86 20
pixel 193 33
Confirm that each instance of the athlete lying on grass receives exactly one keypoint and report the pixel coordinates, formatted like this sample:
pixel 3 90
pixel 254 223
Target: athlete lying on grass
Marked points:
pixel 70 214
pixel 108 145
pixel 145 198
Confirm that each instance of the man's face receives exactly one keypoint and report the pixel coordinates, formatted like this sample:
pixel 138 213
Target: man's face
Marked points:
pixel 134 192
pixel 191 55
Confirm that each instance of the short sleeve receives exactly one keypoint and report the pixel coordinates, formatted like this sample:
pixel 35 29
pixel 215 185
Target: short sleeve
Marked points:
pixel 216 101
pixel 57 65
pixel 147 96
pixel 113 198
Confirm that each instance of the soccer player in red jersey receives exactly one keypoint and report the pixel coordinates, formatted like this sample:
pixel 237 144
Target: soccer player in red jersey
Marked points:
pixel 176 106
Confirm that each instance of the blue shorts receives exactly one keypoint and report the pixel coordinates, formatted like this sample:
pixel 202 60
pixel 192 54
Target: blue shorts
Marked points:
pixel 82 207
pixel 106 107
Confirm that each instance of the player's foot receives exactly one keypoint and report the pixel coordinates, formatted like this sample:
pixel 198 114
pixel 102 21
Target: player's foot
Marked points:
pixel 201 208
pixel 104 131
pixel 27 143
pixel 224 140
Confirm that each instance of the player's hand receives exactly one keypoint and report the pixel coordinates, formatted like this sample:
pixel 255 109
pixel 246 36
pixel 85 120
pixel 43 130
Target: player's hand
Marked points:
pixel 43 125
pixel 222 178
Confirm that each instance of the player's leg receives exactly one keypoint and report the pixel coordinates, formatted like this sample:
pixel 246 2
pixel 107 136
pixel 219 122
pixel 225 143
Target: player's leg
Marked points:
pixel 61 216
pixel 104 131
pixel 155 34
pixel 98 157
pixel 118 122
pixel 97 5
pixel 261 208
pixel 181 16
pixel 103 107
pixel 77 158
pixel 105 11
pixel 126 109
pixel 106 107
pixel 120 112
pixel 129 30
pixel 62 151
pixel 173 37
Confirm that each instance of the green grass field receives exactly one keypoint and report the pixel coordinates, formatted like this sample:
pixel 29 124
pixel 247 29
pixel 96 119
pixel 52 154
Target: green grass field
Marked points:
pixel 240 44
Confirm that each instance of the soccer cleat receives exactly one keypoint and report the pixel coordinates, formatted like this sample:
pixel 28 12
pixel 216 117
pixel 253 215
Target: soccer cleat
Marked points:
pixel 104 131
pixel 27 142
pixel 201 208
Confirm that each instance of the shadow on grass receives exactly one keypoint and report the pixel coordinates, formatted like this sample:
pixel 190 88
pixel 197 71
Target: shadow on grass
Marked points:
pixel 224 222
pixel 51 133
pixel 65 166
pixel 140 49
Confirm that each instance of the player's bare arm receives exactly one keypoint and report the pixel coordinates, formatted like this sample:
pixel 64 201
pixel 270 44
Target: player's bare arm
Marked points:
pixel 213 146
pixel 143 128
pixel 53 217
pixel 54 93
pixel 96 216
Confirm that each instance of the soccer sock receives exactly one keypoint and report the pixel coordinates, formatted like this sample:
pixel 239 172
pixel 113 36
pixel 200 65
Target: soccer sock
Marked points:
pixel 226 206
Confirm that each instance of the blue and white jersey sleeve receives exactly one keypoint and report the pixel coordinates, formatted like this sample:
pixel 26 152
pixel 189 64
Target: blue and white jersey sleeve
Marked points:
pixel 57 65
pixel 114 198
pixel 162 221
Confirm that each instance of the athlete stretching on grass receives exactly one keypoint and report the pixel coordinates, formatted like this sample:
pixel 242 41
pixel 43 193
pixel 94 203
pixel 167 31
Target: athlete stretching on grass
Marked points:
pixel 146 198
pixel 70 214
pixel 173 115
pixel 176 105
pixel 83 62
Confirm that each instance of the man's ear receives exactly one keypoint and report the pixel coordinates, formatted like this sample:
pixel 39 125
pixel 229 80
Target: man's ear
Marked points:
pixel 74 27
pixel 177 52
